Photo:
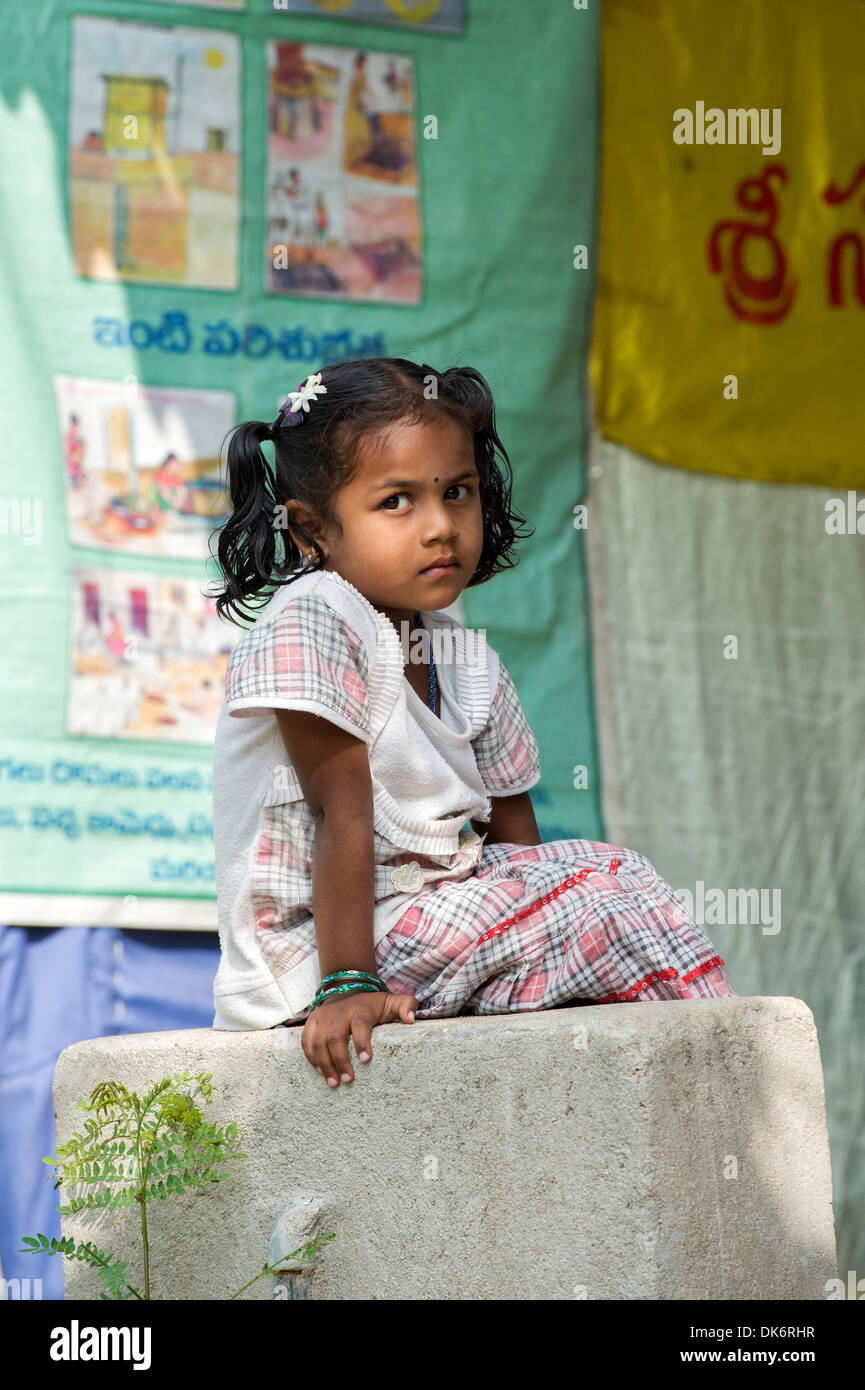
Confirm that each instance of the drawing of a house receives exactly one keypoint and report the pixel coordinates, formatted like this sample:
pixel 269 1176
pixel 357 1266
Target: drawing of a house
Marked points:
pixel 135 110
pixel 153 168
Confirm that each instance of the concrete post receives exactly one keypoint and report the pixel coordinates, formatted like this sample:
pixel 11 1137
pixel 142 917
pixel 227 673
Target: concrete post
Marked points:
pixel 622 1151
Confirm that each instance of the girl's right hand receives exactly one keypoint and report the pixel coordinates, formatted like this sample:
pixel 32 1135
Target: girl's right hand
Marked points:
pixel 328 1028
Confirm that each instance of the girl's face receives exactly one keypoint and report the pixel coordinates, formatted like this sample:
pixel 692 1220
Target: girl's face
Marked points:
pixel 414 499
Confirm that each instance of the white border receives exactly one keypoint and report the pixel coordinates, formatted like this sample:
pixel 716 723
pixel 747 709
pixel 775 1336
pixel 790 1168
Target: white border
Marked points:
pixel 103 910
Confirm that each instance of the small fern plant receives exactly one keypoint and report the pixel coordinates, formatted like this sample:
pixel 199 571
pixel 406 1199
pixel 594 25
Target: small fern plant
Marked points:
pixel 140 1149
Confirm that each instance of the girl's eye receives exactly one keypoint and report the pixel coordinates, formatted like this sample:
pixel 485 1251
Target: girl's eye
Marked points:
pixel 396 495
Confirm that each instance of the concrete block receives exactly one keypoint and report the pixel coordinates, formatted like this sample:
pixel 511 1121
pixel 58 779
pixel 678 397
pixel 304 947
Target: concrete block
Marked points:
pixel 652 1151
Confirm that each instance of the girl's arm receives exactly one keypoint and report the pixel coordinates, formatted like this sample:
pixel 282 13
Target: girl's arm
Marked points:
pixel 512 821
pixel 333 770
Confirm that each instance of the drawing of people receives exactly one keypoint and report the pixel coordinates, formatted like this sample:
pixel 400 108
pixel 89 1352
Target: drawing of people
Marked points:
pixel 75 449
pixel 172 492
pixel 360 98
pixel 300 219
pixel 130 704
pixel 391 78
pixel 292 188
pixel 406 88
pixel 287 114
pixel 170 635
pixel 116 639
pixel 322 221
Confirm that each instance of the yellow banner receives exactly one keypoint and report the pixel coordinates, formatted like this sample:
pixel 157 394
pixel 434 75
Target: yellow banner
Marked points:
pixel 730 312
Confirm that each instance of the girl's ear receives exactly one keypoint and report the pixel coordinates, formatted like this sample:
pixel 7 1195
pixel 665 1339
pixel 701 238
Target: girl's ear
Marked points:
pixel 294 514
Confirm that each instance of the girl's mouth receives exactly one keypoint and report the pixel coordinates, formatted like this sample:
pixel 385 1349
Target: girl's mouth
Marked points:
pixel 439 571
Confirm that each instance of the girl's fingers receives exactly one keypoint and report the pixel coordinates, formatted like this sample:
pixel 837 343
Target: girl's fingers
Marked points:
pixel 360 1031
pixel 408 1009
pixel 329 1067
pixel 337 1043
pixel 319 1056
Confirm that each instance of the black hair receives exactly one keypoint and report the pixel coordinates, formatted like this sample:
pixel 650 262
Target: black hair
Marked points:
pixel 317 456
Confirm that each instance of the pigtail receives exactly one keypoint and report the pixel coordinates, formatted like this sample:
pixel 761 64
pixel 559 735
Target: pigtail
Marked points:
pixel 246 548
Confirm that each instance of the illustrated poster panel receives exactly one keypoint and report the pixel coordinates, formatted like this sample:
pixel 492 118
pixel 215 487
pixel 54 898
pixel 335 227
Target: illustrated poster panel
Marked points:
pixel 435 16
pixel 142 471
pixel 343 206
pixel 148 657
pixel 154 136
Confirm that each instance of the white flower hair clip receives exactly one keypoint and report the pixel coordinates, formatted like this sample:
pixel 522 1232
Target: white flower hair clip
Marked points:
pixel 300 400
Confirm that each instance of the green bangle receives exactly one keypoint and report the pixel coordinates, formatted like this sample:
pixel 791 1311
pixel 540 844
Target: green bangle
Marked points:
pixel 353 975
pixel 321 996
pixel 326 992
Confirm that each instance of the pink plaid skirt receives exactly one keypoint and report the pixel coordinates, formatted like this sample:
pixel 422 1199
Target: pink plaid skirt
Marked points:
pixel 536 926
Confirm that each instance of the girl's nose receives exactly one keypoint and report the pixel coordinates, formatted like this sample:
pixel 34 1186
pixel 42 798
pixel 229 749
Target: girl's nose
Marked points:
pixel 438 522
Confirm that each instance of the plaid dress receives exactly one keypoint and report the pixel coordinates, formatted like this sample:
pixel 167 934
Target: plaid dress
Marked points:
pixel 463 925
pixel 536 926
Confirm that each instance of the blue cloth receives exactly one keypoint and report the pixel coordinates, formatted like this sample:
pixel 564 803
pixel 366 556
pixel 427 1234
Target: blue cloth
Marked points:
pixel 58 986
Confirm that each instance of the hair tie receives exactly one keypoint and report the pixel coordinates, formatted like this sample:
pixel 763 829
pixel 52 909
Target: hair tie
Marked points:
pixel 297 402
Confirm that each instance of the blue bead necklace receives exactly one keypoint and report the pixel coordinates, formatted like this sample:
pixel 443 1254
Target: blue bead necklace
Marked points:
pixel 433 680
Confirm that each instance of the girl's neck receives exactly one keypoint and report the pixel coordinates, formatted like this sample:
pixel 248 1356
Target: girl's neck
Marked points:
pixel 400 616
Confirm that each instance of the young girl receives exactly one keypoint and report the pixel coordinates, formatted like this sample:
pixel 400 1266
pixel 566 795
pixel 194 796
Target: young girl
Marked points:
pixel 377 856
